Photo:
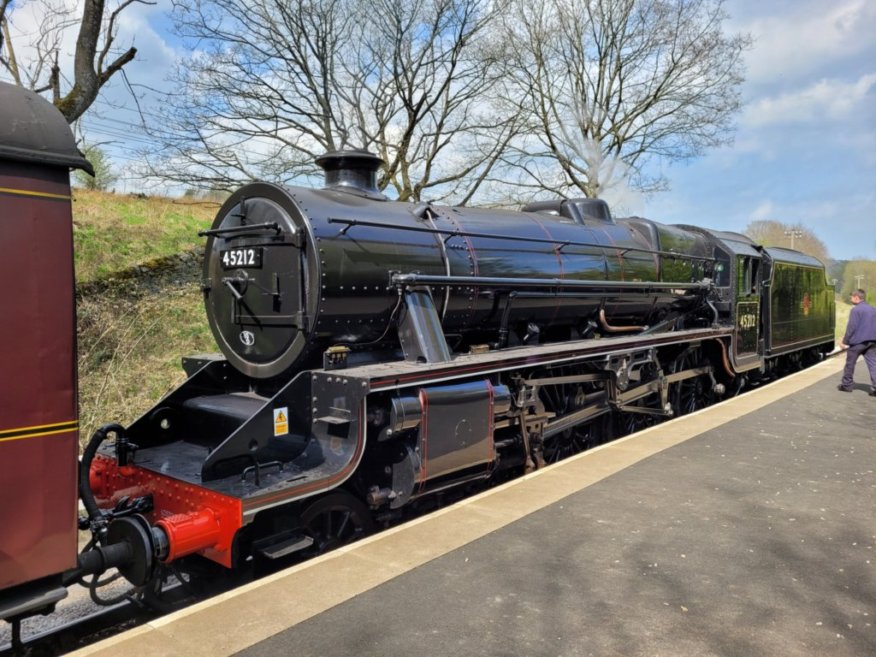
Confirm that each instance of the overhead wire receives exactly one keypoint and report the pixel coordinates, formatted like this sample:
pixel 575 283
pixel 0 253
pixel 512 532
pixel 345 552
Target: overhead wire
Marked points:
pixel 126 131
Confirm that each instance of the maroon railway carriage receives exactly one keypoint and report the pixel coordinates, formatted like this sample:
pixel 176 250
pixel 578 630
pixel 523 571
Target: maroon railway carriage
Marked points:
pixel 38 411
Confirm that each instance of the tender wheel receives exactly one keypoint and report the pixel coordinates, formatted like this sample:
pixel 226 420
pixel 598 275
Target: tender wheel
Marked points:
pixel 335 520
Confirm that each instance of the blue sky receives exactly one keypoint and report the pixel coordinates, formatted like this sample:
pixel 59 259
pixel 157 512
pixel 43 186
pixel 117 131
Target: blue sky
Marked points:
pixel 805 145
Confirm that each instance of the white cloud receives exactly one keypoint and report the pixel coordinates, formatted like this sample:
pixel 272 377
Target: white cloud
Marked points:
pixel 764 210
pixel 845 239
pixel 826 99
pixel 799 38
pixel 34 34
pixel 155 55
pixel 133 26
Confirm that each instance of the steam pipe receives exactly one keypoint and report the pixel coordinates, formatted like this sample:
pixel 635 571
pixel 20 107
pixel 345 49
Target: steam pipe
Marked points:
pixel 486 281
pixel 616 329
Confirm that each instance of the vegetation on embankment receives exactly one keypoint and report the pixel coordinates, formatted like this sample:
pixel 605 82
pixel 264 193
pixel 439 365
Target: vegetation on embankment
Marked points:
pixel 139 304
pixel 843 308
pixel 116 233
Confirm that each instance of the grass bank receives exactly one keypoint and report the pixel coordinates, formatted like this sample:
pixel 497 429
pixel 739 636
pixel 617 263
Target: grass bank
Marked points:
pixel 843 308
pixel 139 305
pixel 115 233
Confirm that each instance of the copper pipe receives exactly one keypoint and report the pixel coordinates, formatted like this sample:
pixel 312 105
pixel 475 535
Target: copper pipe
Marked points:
pixel 616 329
pixel 727 367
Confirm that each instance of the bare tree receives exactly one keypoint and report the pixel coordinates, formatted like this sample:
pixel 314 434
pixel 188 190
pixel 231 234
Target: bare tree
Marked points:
pixel 96 57
pixel 768 232
pixel 609 85
pixel 273 84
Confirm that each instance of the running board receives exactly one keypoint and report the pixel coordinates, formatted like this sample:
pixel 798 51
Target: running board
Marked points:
pixel 284 548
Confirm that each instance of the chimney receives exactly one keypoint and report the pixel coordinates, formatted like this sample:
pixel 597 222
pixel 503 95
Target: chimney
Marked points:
pixel 352 171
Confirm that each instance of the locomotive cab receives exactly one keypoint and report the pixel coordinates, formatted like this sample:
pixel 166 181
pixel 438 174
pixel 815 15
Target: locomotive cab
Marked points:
pixel 748 346
pixel 738 280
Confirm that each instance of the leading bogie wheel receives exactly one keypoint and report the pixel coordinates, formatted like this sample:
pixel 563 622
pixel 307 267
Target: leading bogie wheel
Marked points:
pixel 336 519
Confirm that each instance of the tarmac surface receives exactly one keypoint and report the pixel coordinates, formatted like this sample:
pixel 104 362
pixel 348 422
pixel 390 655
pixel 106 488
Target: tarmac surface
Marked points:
pixel 745 529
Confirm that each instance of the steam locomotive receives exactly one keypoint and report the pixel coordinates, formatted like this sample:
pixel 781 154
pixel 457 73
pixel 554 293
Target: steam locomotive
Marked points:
pixel 374 356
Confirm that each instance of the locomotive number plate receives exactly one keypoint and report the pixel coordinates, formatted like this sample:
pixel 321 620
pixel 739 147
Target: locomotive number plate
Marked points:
pixel 240 258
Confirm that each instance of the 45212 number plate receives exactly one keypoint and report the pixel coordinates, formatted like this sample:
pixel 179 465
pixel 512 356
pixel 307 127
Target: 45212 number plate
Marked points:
pixel 246 257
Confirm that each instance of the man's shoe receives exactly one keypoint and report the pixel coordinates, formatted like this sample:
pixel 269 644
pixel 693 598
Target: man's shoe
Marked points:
pixel 842 388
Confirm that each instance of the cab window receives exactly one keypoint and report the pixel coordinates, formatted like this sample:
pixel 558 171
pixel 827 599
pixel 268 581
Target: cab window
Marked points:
pixel 722 269
pixel 747 271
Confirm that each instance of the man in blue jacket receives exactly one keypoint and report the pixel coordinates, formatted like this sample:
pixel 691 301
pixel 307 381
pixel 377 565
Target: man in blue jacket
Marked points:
pixel 860 340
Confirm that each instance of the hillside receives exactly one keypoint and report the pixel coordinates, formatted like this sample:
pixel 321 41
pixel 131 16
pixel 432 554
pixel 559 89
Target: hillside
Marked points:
pixel 139 304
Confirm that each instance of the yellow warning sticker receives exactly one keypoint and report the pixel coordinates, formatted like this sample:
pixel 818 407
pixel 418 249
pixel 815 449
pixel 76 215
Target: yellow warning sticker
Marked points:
pixel 281 421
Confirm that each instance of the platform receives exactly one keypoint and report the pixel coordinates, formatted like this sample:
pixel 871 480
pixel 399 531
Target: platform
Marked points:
pixel 745 529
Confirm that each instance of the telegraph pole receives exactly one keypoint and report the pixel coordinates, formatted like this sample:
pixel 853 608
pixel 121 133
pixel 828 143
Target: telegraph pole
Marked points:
pixel 859 280
pixel 792 233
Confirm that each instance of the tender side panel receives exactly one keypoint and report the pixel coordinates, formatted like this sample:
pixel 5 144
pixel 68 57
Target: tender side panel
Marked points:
pixel 38 436
pixel 801 308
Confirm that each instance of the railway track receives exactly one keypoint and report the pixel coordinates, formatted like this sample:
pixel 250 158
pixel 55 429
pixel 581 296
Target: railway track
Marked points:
pixel 68 635
pixel 78 621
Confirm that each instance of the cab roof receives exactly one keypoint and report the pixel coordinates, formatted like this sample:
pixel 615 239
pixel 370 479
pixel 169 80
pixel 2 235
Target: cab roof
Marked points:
pixel 33 130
